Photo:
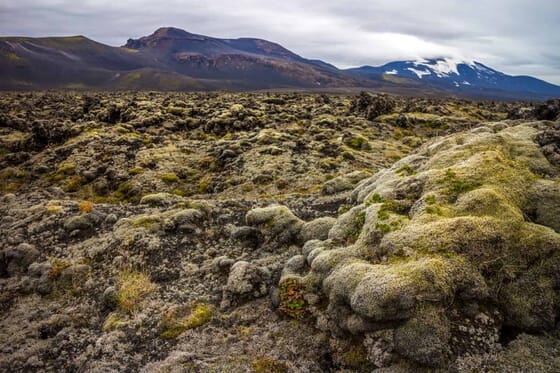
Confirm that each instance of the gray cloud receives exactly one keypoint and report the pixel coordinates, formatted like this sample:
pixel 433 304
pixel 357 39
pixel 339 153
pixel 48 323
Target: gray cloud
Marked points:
pixel 514 36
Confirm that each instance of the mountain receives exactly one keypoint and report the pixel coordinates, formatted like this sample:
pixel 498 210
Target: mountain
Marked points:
pixel 169 59
pixel 174 59
pixel 80 63
pixel 459 76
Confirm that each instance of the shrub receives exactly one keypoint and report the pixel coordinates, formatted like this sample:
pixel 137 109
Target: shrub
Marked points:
pixel 357 143
pixel 291 298
pixel 125 192
pixel 73 183
pixel 372 106
pixel 66 168
pixel 57 266
pixel 548 111
pixel 86 206
pixel 133 287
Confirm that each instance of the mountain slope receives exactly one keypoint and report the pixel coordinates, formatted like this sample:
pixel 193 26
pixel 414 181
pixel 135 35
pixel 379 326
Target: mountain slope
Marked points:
pixel 174 59
pixel 456 75
pixel 169 59
pixel 256 62
pixel 64 62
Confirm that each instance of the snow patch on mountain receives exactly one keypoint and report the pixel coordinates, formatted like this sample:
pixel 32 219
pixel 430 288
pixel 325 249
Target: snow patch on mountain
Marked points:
pixel 461 75
pixel 419 73
pixel 444 67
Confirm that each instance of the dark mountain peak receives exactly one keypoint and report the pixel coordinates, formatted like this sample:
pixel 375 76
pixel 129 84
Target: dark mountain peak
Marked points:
pixel 178 44
pixel 162 36
pixel 170 32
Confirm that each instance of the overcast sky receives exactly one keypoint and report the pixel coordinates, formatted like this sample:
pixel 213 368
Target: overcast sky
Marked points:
pixel 519 37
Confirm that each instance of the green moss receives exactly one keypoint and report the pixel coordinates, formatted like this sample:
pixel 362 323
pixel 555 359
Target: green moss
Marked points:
pixel 129 50
pixel 172 325
pixel 73 183
pixel 390 227
pixel 267 364
pixel 392 206
pixel 124 192
pixel 121 129
pixel 343 209
pixel 358 143
pixel 434 210
pixel 406 170
pixel 11 56
pixel 383 215
pixel 456 185
pixel 180 193
pixel 75 85
pixel 57 266
pixel 145 221
pixel 177 111
pixel 12 179
pixel 247 187
pixel 135 171
pixel 397 80
pixel 132 77
pixel 393 155
pixel 431 199
pixel 204 185
pixel 66 168
pixel 54 209
pixel 359 223
pixel 169 178
pixel 329 164
pixel 385 228
pixel 356 358
pixel 391 215
pixel 114 321
pixel 376 198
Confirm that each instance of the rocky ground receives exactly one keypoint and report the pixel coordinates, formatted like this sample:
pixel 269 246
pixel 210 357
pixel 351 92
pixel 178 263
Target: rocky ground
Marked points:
pixel 163 232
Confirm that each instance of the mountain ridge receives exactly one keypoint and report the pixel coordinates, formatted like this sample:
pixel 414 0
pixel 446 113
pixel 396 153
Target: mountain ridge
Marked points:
pixel 174 59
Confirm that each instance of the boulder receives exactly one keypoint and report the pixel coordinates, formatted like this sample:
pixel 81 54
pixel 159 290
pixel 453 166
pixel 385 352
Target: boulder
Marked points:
pixel 317 229
pixel 247 280
pixel 16 260
pixel 276 222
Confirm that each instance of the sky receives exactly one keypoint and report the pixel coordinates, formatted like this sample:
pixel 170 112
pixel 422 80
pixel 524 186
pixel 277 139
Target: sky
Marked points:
pixel 518 37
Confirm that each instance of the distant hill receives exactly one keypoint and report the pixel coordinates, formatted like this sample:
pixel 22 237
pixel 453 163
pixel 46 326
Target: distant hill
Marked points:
pixel 174 59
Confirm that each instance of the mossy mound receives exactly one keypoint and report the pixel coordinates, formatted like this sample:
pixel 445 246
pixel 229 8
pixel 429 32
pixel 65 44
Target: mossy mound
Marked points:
pixel 277 222
pixel 470 224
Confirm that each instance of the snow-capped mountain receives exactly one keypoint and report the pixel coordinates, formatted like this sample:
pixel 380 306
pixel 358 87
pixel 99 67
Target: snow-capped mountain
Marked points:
pixel 456 75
